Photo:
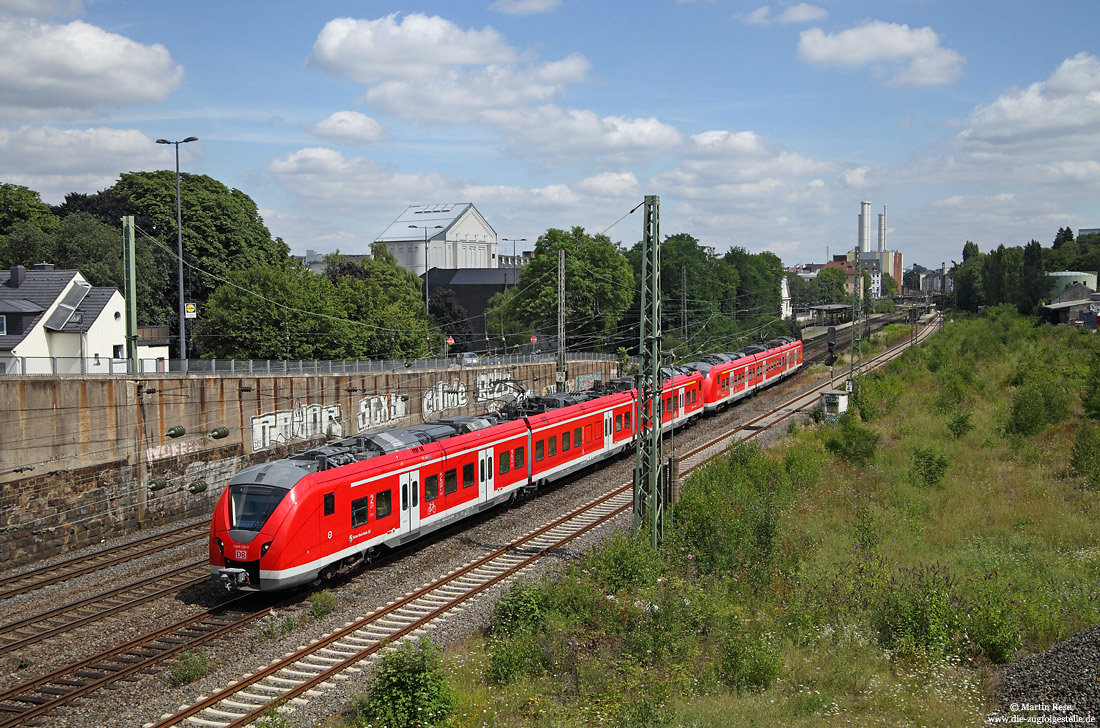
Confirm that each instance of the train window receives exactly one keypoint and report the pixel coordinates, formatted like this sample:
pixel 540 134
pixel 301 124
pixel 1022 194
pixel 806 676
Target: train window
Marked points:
pixel 519 457
pixel 504 461
pixel 618 423
pixel 359 508
pixel 468 478
pixel 450 481
pixel 481 469
pixel 551 446
pixel 383 504
pixel 431 488
pixel 626 420
pixel 540 451
pixel 416 494
pixel 565 441
pixel 405 496
pixel 330 503
pixel 250 505
pixel 577 437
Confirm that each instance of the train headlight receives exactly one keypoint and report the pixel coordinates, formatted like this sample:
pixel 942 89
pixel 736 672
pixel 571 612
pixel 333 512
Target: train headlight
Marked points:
pixel 264 548
pixel 221 546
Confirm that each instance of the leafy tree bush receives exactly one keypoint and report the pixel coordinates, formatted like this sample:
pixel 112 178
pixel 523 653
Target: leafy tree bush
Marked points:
pixel 409 690
pixel 1038 402
pixel 958 424
pixel 1085 456
pixel 928 467
pixel 919 611
pixel 189 667
pixel 748 663
pixel 321 603
pixel 853 443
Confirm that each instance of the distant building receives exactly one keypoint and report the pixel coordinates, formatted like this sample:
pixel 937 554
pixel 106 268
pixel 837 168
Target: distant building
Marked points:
pixel 451 236
pixel 1063 279
pixel 473 287
pixel 316 261
pixel 55 322
pixel 1088 231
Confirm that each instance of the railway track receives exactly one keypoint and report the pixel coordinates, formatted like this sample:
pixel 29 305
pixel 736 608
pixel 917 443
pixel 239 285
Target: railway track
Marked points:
pixel 35 579
pixel 303 673
pixel 44 625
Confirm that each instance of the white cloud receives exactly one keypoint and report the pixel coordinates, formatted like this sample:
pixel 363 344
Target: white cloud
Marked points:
pixel 760 16
pixel 802 13
pixel 350 126
pixel 1061 113
pixel 915 54
pixel 417 47
pixel 610 184
pixel 58 161
pixel 459 96
pixel 68 71
pixel 525 7
pixel 42 8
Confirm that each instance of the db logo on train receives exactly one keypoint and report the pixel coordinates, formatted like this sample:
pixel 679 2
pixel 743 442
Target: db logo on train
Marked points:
pixel 241 554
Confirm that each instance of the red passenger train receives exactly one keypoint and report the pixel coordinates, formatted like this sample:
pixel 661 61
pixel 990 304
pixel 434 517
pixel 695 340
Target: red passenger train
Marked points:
pixel 302 518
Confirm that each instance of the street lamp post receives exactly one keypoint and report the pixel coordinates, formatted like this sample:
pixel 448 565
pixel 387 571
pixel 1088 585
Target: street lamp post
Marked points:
pixel 513 241
pixel 179 242
pixel 426 228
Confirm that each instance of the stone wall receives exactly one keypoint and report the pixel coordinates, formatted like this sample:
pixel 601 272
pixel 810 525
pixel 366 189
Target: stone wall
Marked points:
pixel 77 454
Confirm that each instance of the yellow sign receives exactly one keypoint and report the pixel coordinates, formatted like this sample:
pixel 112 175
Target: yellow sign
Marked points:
pixel 190 310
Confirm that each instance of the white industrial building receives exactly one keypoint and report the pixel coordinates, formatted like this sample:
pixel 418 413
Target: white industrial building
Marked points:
pixel 451 235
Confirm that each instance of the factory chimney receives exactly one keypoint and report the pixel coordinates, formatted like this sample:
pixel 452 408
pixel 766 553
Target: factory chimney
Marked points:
pixel 865 227
pixel 882 231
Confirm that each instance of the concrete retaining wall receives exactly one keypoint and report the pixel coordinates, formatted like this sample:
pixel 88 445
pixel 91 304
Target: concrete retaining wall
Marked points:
pixel 77 453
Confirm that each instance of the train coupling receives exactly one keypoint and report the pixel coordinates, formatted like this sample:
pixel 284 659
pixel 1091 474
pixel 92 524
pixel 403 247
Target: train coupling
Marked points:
pixel 234 578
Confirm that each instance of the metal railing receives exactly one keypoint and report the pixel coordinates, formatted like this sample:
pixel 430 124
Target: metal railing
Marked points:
pixel 60 365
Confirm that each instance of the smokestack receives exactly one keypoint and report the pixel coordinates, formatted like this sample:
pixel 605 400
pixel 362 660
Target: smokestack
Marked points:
pixel 865 227
pixel 882 231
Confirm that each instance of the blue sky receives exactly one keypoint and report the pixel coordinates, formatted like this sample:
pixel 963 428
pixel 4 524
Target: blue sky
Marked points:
pixel 759 125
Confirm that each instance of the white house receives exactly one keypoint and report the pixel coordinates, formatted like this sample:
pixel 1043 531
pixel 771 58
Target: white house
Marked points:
pixel 55 322
pixel 451 235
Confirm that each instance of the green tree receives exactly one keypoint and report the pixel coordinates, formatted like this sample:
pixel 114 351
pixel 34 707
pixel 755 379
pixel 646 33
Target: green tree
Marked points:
pixel 279 312
pixel 829 284
pixel 888 286
pixel 1034 283
pixel 969 286
pixel 599 286
pixel 911 279
pixel 970 250
pixel 22 204
pixel 222 232
pixel 758 282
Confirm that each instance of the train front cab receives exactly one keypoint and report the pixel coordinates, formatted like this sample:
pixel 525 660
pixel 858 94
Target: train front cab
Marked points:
pixel 248 520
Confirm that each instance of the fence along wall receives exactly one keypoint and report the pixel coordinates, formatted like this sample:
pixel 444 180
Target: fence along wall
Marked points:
pixel 77 453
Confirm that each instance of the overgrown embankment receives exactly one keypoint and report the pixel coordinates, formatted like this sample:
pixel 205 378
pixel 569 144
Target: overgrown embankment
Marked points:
pixel 869 573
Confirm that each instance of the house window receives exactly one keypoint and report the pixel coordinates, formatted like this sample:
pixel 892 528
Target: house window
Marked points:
pixel 3 325
pixel 118 351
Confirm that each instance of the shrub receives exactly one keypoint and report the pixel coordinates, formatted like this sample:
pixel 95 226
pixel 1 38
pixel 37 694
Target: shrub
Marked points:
pixel 1085 456
pixel 189 667
pixel 919 612
pixel 991 627
pixel 321 603
pixel 409 689
pixel 748 663
pixel 513 657
pixel 853 443
pixel 928 467
pixel 1038 402
pixel 520 609
pixel 958 424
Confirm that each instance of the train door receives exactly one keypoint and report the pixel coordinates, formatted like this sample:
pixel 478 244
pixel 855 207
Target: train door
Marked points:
pixel 410 501
pixel 485 474
pixel 680 401
pixel 608 423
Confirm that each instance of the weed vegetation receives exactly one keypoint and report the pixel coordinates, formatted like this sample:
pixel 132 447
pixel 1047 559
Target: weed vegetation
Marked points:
pixel 866 573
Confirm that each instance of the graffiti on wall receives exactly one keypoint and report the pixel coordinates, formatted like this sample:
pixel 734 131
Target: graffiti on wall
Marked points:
pixel 304 420
pixel 444 396
pixel 495 388
pixel 172 450
pixel 381 410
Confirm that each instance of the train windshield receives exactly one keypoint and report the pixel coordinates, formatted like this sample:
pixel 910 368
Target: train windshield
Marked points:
pixel 251 505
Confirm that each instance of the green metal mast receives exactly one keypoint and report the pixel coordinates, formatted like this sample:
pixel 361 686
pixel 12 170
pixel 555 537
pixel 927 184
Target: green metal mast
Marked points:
pixel 129 277
pixel 650 496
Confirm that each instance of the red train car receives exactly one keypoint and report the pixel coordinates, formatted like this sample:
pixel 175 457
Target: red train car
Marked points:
pixel 303 518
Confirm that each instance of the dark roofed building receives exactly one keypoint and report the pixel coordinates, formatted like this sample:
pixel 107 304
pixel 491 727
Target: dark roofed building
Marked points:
pixel 473 287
